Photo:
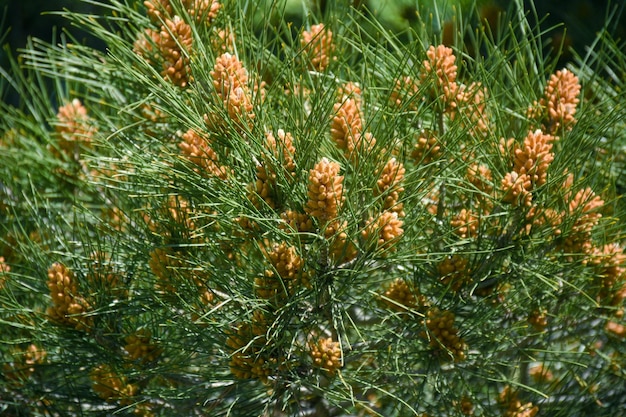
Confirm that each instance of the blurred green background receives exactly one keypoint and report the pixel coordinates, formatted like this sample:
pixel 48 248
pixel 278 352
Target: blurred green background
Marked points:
pixel 581 17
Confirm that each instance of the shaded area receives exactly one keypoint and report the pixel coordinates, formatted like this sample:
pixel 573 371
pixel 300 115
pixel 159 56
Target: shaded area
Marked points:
pixel 37 18
pixel 580 21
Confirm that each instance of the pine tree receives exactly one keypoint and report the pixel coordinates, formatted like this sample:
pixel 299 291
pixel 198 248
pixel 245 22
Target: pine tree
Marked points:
pixel 228 214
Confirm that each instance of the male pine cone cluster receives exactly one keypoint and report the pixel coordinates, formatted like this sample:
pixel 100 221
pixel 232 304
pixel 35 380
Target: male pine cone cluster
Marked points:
pixel 443 335
pixel 68 308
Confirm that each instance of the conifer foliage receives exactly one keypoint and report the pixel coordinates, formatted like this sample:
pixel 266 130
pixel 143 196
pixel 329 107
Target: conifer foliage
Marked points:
pixel 230 215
